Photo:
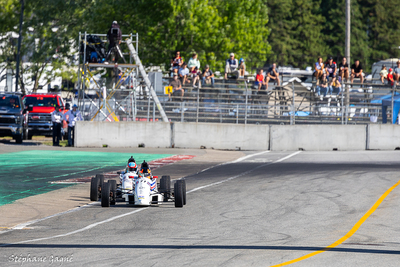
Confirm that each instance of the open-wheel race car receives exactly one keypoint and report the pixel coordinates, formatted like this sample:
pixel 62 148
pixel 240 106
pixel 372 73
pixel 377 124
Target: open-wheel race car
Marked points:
pixel 138 189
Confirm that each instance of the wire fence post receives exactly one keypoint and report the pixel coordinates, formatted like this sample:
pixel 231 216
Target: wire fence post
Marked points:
pixel 342 108
pixel 197 108
pixel 393 88
pixel 148 108
pixel 237 114
pixel 247 98
pixel 293 107
pixel 182 111
pixel 154 112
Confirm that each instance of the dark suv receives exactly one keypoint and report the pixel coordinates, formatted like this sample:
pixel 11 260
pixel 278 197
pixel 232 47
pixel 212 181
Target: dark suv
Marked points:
pixel 12 116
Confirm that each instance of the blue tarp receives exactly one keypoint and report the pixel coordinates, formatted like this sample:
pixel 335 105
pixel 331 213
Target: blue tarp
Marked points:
pixel 387 102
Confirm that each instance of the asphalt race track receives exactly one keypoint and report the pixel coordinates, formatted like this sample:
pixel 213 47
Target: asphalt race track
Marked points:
pixel 263 210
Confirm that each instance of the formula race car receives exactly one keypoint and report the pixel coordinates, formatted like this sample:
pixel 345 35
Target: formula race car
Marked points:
pixel 139 188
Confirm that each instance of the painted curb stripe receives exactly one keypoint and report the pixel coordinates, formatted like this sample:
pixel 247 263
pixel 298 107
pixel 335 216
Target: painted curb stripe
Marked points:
pixel 349 234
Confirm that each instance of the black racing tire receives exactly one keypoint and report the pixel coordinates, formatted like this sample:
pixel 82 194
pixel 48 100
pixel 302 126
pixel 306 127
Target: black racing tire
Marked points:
pixel 105 195
pixel 184 190
pixel 101 179
pixel 178 194
pixel 113 191
pixel 165 186
pixel 29 136
pixel 94 189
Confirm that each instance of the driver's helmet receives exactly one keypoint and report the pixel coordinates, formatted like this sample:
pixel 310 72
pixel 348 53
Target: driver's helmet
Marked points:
pixel 131 159
pixel 145 169
pixel 132 167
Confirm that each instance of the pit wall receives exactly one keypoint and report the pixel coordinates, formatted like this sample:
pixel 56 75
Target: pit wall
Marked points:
pixel 238 136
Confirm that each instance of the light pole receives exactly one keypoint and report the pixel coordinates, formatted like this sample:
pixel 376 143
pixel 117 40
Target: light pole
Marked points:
pixel 21 18
pixel 347 53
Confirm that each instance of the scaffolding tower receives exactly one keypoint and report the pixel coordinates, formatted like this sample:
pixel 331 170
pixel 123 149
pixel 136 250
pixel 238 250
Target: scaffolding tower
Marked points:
pixel 114 99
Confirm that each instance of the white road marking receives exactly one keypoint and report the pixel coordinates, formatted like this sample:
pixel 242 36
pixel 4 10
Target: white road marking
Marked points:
pixel 249 156
pixel 20 226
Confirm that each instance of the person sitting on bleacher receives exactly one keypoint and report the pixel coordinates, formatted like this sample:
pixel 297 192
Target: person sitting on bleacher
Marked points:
pixel 242 68
pixel 383 73
pixel 396 72
pixel 231 66
pixel 335 86
pixel 177 87
pixel 207 76
pixel 176 62
pixel 323 86
pixel 259 79
pixel 319 69
pixel 272 74
pixel 331 68
pixel 357 71
pixel 390 77
pixel 184 73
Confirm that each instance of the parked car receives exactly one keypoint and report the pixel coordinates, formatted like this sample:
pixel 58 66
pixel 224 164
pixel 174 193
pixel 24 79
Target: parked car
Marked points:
pixel 13 120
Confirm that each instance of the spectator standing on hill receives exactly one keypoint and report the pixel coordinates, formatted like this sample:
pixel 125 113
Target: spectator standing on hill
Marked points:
pixel 390 77
pixel 396 72
pixel 207 76
pixel 242 68
pixel 176 87
pixel 323 85
pixel 344 69
pixel 357 71
pixel 231 66
pixel 259 79
pixel 272 74
pixel 193 63
pixel 383 73
pixel 114 36
pixel 184 73
pixel 319 69
pixel 331 68
pixel 176 62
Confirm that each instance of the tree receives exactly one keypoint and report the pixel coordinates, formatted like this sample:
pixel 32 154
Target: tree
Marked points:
pixel 296 32
pixel 212 28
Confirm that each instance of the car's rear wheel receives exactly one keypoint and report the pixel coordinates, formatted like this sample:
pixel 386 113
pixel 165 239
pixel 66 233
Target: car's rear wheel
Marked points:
pixel 101 179
pixel 178 194
pixel 184 190
pixel 165 186
pixel 94 189
pixel 105 195
pixel 19 138
pixel 113 191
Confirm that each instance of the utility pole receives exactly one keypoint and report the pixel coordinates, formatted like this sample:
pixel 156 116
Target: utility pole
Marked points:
pixel 347 53
pixel 21 18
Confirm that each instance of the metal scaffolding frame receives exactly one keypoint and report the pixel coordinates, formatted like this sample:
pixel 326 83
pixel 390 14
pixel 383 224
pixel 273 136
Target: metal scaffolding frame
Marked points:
pixel 105 93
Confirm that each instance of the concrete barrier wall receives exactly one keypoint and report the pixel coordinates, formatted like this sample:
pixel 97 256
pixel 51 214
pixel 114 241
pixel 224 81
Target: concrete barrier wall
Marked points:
pixel 318 137
pixel 221 136
pixel 383 136
pixel 234 136
pixel 122 134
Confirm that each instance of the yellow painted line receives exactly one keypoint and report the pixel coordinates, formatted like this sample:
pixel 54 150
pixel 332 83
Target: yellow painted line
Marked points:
pixel 349 234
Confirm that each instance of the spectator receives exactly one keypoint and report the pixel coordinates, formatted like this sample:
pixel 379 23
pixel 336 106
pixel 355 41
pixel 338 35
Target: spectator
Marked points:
pixel 319 69
pixel 207 76
pixel 231 66
pixel 323 85
pixel 259 79
pixel 383 73
pixel 335 86
pixel 184 73
pixel 357 71
pixel 72 116
pixel 272 74
pixel 56 118
pixel 390 77
pixel 176 62
pixel 331 68
pixel 344 69
pixel 193 63
pixel 242 68
pixel 114 36
pixel 176 87
pixel 195 74
pixel 396 72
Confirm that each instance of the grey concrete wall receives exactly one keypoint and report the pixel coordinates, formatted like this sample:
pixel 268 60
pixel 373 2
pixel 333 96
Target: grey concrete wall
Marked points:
pixel 383 136
pixel 221 136
pixel 318 137
pixel 122 134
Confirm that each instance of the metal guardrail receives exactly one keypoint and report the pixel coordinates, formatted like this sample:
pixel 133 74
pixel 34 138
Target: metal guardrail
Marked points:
pixel 238 101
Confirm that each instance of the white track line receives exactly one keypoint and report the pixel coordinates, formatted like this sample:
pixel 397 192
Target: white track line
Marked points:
pixel 20 226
